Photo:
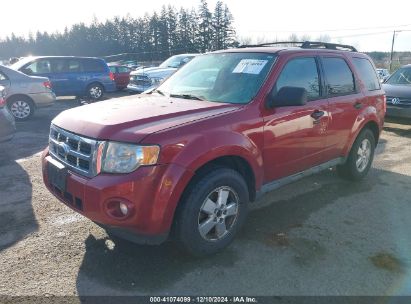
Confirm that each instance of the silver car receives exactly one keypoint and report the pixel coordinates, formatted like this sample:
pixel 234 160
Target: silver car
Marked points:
pixel 144 79
pixel 25 93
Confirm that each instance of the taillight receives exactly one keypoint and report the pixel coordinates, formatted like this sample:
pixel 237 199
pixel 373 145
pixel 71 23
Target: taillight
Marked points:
pixel 111 76
pixel 47 84
pixel 385 104
pixel 2 102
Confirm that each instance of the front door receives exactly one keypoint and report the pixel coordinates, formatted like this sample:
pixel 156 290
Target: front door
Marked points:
pixel 294 136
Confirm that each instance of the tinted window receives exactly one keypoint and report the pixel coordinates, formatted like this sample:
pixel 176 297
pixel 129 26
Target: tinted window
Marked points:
pixel 59 65
pixel 73 66
pixel 367 73
pixel 339 76
pixel 303 73
pixel 41 66
pixel 93 65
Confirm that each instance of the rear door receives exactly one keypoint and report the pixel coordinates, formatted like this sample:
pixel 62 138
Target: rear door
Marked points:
pixel 345 102
pixel 294 136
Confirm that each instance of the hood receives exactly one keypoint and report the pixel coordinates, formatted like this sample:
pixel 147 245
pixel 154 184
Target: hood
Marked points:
pixel 154 72
pixel 132 118
pixel 397 90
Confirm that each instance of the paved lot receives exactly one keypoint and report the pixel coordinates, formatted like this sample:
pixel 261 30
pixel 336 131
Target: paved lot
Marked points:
pixel 320 235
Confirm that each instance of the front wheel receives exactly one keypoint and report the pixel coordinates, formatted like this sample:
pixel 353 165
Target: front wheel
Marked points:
pixel 360 158
pixel 212 212
pixel 95 92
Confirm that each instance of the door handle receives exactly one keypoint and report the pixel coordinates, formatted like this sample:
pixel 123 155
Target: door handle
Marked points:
pixel 317 114
pixel 358 105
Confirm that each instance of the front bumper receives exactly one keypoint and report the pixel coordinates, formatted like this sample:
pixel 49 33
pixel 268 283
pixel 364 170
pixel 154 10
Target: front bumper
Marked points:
pixel 394 111
pixel 138 88
pixel 153 191
pixel 45 99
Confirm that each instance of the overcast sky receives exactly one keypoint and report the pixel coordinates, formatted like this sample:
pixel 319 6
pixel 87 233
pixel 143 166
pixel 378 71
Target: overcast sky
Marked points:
pixel 367 24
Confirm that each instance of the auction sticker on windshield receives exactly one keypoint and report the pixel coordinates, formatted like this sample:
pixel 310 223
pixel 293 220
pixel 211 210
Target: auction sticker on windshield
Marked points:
pixel 250 66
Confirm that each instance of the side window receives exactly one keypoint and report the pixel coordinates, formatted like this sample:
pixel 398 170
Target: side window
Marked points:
pixel 303 73
pixel 73 66
pixel 339 77
pixel 93 65
pixel 367 73
pixel 59 65
pixel 2 76
pixel 38 67
pixel 123 69
pixel 112 69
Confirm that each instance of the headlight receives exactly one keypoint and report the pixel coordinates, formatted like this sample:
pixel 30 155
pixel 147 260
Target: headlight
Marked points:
pixel 156 80
pixel 125 158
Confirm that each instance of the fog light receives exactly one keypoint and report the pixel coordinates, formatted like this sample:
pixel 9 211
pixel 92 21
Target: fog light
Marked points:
pixel 119 208
pixel 123 209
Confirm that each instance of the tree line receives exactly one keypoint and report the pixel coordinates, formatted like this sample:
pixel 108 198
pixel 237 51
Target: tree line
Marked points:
pixel 152 37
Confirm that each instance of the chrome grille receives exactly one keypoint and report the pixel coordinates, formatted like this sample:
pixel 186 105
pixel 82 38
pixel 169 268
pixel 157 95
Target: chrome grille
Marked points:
pixel 76 152
pixel 140 80
pixel 399 101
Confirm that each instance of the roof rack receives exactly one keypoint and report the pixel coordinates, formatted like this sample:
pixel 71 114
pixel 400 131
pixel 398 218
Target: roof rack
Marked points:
pixel 308 45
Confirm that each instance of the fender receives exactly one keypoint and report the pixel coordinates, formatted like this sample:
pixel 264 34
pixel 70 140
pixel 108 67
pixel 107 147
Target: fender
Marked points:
pixel 368 114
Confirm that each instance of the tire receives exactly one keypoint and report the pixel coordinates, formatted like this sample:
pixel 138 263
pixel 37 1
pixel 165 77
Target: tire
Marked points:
pixel 95 92
pixel 212 211
pixel 21 107
pixel 360 158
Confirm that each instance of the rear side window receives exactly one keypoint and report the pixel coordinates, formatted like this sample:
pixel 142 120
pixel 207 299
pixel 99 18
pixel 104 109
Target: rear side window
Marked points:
pixel 74 66
pixel 367 73
pixel 340 79
pixel 93 65
pixel 112 69
pixel 303 73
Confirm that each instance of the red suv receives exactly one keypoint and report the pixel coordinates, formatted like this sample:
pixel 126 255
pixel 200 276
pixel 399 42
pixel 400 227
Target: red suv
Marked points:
pixel 186 159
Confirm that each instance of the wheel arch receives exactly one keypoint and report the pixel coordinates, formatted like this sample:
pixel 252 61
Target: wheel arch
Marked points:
pixel 19 95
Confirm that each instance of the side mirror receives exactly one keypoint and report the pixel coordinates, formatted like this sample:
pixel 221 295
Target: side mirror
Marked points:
pixel 288 96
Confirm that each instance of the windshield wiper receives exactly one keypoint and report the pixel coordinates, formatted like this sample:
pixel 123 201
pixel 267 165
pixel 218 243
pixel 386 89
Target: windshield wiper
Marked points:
pixel 186 96
pixel 156 91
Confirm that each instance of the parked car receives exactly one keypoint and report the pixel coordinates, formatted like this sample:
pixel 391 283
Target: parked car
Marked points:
pixel 121 75
pixel 144 79
pixel 7 124
pixel 398 90
pixel 71 76
pixel 227 127
pixel 25 93
pixel 383 74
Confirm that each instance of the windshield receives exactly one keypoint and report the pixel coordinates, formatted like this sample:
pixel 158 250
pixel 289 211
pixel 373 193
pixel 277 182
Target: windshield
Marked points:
pixel 176 61
pixel 401 76
pixel 221 77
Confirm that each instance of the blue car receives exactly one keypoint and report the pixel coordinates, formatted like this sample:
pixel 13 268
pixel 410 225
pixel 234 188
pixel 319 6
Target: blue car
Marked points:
pixel 71 76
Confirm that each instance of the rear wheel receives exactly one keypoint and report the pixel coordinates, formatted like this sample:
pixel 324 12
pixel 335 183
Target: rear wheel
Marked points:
pixel 212 212
pixel 360 158
pixel 21 107
pixel 95 92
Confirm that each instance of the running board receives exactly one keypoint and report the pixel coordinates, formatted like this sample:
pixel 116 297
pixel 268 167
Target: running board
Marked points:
pixel 295 177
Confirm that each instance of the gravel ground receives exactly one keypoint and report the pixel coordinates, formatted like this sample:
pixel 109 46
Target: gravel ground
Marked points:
pixel 318 236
